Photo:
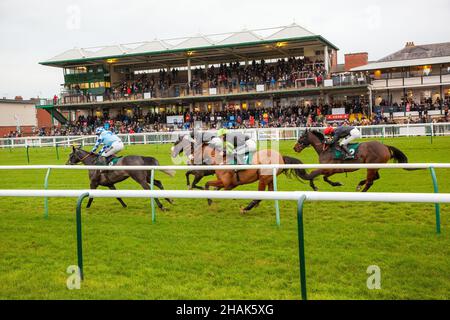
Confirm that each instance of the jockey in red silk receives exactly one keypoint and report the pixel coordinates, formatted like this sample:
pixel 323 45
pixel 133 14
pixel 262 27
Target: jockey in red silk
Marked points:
pixel 349 133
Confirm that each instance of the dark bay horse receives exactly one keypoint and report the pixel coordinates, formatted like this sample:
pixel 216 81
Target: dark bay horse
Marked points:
pixel 230 179
pixel 108 178
pixel 187 145
pixel 368 152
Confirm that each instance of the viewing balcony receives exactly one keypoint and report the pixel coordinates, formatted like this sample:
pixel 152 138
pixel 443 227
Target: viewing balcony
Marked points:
pixel 201 91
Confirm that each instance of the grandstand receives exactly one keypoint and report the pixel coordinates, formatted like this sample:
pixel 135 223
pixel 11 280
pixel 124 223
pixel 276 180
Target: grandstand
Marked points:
pixel 245 70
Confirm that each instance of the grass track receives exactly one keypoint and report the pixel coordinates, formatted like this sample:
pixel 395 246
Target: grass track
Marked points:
pixel 200 252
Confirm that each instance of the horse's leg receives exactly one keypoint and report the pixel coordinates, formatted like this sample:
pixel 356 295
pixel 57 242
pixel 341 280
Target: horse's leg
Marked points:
pixel 334 184
pixel 198 177
pixel 113 187
pixel 93 186
pixel 372 175
pixel 160 186
pixel 360 184
pixel 311 176
pixel 187 179
pixel 141 177
pixel 263 182
pixel 217 184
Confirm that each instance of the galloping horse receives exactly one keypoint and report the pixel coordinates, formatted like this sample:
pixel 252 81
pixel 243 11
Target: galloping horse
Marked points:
pixel 230 179
pixel 188 145
pixel 108 178
pixel 368 152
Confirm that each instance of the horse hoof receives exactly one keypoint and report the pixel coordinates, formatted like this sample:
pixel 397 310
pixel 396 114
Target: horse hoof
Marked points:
pixel 209 202
pixel 189 187
pixel 358 188
pixel 163 209
pixel 338 184
pixel 243 211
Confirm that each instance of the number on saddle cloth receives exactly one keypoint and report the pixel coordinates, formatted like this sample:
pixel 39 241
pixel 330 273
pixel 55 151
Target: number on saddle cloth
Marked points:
pixel 114 161
pixel 339 154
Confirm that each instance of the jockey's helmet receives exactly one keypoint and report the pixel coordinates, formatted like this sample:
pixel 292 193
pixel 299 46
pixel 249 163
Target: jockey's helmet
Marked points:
pixel 328 131
pixel 221 132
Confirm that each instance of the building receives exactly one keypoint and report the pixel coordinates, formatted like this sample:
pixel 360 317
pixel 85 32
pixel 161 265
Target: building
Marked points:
pixel 411 81
pixel 21 116
pixel 249 69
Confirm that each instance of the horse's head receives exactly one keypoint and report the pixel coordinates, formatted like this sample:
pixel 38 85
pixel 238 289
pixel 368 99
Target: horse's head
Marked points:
pixel 307 138
pixel 183 145
pixel 77 155
pixel 302 142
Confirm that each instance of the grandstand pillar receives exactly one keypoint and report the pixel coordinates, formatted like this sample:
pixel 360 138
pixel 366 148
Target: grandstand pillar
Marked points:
pixel 326 60
pixel 189 70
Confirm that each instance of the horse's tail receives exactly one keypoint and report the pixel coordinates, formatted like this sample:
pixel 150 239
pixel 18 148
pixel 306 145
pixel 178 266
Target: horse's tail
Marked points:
pixel 399 156
pixel 294 173
pixel 150 161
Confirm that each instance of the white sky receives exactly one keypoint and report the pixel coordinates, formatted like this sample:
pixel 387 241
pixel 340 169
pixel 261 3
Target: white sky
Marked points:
pixel 33 31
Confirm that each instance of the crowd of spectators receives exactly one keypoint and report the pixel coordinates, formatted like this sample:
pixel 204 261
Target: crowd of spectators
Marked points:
pixel 280 74
pixel 273 117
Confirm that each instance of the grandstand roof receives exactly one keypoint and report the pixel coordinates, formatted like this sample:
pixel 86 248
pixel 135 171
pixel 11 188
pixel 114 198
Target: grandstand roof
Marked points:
pixel 214 48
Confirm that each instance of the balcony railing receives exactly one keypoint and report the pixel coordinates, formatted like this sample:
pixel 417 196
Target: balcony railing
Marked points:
pixel 411 81
pixel 184 90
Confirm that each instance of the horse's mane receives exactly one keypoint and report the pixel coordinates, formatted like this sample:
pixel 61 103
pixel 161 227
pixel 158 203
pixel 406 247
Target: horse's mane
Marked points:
pixel 318 134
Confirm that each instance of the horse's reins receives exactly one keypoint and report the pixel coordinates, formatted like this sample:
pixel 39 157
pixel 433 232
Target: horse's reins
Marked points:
pixel 85 157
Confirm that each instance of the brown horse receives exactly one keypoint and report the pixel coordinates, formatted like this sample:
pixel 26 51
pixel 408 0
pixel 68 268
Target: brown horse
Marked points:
pixel 368 152
pixel 230 179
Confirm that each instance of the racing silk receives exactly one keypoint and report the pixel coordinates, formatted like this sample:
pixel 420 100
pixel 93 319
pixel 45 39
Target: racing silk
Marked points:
pixel 341 132
pixel 107 138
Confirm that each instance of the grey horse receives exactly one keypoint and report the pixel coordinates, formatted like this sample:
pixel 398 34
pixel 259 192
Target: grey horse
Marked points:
pixel 108 178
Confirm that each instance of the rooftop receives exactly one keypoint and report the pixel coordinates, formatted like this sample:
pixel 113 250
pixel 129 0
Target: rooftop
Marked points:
pixel 246 44
pixel 412 55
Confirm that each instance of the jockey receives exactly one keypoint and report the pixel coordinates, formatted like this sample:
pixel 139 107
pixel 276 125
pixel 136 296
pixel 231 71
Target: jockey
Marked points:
pixel 237 144
pixel 349 133
pixel 111 145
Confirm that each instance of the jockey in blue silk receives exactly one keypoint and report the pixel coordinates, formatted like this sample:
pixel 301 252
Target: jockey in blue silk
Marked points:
pixel 111 145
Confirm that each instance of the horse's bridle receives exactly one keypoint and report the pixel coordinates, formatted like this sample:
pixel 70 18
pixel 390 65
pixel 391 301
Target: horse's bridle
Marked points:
pixel 85 157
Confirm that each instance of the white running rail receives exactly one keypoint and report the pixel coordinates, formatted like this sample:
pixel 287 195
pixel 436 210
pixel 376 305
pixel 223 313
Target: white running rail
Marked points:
pixel 261 134
pixel 250 195
pixel 240 167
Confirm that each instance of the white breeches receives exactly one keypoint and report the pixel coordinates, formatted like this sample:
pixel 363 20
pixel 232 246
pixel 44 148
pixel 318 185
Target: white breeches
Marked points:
pixel 116 147
pixel 354 134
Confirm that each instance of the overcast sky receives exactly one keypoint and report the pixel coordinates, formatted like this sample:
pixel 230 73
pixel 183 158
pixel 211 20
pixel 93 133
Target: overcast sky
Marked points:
pixel 33 31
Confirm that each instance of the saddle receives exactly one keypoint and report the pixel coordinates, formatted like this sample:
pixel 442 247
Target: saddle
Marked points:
pixel 340 154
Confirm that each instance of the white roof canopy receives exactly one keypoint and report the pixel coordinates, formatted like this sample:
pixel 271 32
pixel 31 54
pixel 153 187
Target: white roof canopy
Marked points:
pixel 291 32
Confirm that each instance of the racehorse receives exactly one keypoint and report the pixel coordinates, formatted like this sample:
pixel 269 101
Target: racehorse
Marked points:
pixel 368 152
pixel 108 178
pixel 230 179
pixel 188 145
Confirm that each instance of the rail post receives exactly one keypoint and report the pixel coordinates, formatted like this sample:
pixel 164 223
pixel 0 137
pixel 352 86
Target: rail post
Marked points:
pixel 152 200
pixel 57 152
pixel 28 153
pixel 437 206
pixel 431 132
pixel 79 234
pixel 277 205
pixel 46 198
pixel 301 246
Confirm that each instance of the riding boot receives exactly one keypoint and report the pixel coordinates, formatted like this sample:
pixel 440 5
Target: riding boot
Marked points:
pixel 109 159
pixel 348 155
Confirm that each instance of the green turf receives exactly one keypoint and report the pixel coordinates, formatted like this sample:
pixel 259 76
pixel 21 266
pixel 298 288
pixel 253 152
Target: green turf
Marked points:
pixel 200 252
